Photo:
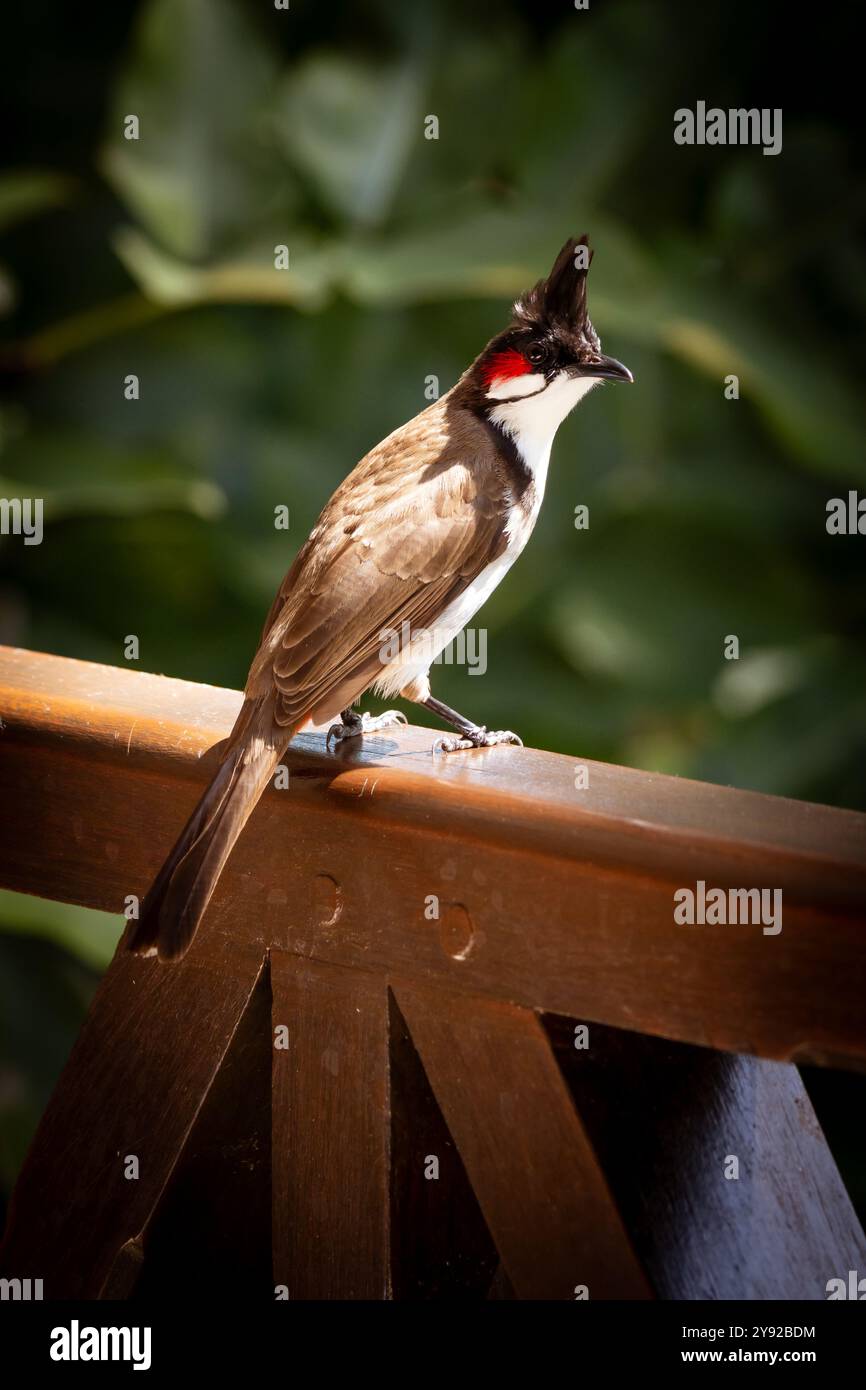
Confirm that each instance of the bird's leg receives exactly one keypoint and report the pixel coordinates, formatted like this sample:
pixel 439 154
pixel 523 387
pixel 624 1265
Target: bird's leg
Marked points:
pixel 470 735
pixel 353 724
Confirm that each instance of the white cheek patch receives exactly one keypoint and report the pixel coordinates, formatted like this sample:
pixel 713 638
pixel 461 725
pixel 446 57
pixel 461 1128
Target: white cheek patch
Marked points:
pixel 533 422
pixel 505 388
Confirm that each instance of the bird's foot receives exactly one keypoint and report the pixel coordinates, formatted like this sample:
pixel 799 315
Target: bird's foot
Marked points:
pixel 477 737
pixel 358 724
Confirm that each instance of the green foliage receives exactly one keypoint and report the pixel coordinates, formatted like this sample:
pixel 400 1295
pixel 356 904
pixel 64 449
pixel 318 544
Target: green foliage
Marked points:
pixel 198 80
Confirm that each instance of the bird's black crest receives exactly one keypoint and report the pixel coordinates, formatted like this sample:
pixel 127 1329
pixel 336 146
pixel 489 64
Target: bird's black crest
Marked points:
pixel 561 297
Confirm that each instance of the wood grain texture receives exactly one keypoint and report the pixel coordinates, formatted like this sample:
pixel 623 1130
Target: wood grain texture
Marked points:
pixel 604 1170
pixel 666 1119
pixel 330 1125
pixel 555 898
pixel 527 1155
pixel 136 1079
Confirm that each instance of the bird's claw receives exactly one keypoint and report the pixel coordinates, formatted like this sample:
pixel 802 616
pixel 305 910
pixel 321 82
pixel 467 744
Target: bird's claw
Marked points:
pixel 366 723
pixel 476 738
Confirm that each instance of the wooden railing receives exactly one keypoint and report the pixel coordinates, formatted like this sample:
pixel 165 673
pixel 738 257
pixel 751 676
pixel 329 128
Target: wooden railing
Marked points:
pixel 440 1034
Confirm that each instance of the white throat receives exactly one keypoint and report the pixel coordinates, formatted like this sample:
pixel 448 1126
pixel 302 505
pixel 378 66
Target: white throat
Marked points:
pixel 533 419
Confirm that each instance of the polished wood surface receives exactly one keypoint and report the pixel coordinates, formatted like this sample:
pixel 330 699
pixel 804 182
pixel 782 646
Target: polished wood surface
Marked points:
pixel 564 897
pixel 430 932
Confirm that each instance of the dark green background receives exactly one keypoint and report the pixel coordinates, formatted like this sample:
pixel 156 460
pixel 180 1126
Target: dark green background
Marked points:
pixel 258 388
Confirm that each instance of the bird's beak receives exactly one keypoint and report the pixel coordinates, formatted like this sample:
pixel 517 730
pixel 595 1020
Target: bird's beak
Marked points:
pixel 608 368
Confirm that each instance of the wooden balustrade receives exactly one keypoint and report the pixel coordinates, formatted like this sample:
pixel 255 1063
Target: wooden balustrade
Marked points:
pixel 425 935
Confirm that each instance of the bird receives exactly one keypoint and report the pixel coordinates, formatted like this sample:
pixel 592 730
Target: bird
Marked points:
pixel 412 543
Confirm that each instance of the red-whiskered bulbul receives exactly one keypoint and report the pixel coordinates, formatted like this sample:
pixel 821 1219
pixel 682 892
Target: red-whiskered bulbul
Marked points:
pixel 412 543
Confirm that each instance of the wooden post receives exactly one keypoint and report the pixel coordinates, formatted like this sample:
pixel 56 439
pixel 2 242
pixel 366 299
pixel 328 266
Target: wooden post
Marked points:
pixel 331 1153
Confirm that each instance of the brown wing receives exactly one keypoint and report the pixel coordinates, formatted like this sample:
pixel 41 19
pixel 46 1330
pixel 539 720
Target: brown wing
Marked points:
pixel 415 523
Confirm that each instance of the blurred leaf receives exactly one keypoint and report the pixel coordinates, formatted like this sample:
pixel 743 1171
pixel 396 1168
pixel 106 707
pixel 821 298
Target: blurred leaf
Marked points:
pixel 199 79
pixel 487 252
pixel 808 743
pixel 802 396
pixel 569 147
pixel 44 992
pixel 200 497
pixel 664 634
pixel 25 192
pixel 247 278
pixel 482 253
pixel 759 677
pixel 89 935
pixel 350 126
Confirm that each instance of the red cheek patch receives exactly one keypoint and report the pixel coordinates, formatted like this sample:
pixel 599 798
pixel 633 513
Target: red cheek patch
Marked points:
pixel 504 365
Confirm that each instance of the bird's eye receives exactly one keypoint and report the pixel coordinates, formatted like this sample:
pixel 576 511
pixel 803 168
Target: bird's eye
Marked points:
pixel 537 354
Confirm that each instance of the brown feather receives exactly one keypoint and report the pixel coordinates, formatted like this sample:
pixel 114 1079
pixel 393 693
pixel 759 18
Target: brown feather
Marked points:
pixel 413 525
pixel 179 896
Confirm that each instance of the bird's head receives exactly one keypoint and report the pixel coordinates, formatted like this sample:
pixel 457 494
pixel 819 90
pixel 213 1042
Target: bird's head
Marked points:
pixel 550 354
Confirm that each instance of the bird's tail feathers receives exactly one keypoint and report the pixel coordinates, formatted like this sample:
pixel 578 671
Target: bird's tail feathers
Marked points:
pixel 181 891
